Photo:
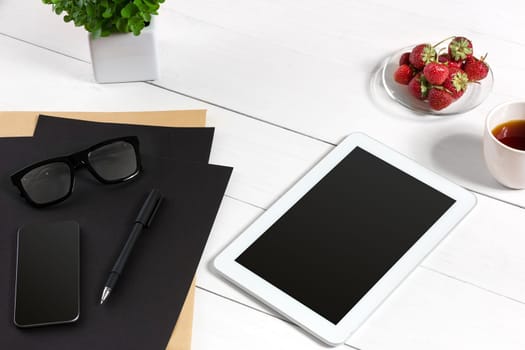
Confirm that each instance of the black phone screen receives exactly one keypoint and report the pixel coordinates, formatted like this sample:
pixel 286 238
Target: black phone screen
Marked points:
pixel 341 237
pixel 47 274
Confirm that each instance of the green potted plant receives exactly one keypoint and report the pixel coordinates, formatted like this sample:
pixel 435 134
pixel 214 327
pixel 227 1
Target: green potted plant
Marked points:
pixel 121 36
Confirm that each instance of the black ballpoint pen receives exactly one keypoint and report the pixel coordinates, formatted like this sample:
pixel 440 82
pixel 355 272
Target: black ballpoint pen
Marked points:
pixel 144 219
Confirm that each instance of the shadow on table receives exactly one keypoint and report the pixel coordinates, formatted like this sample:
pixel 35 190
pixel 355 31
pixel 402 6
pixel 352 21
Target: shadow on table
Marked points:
pixel 461 155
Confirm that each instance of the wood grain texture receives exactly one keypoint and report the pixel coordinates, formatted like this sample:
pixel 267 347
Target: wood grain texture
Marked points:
pixel 300 73
pixel 321 80
pixel 266 159
pixel 321 67
pixel 433 312
pixel 233 326
pixel 486 249
pixel 430 311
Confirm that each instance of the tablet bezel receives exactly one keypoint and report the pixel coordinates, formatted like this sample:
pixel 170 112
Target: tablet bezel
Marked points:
pixel 302 315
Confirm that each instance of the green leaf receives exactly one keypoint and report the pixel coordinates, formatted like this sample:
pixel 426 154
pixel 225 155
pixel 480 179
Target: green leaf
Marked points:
pixel 136 25
pixel 97 33
pixel 153 5
pixel 103 17
pixel 122 25
pixel 105 32
pixel 140 5
pixel 146 17
pixel 107 13
pixel 127 11
pixel 90 10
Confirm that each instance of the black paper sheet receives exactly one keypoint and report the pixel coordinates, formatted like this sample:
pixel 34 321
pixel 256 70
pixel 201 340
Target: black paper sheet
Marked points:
pixel 145 304
pixel 180 143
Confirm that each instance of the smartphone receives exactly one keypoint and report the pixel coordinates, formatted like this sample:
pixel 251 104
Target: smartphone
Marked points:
pixel 47 283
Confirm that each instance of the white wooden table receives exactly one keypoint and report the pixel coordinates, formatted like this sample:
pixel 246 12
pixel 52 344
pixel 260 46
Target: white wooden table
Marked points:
pixel 283 81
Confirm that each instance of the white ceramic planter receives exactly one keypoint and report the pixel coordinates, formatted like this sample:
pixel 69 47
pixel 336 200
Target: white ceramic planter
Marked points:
pixel 124 57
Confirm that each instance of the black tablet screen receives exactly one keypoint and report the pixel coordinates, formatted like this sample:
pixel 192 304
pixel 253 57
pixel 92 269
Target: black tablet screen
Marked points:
pixel 337 241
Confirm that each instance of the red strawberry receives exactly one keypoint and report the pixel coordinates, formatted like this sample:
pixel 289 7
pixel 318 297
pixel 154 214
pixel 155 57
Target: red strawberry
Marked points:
pixel 418 86
pixel 460 48
pixel 476 69
pixel 456 82
pixel 404 59
pixel 403 74
pixel 439 98
pixel 436 73
pixel 445 58
pixel 421 55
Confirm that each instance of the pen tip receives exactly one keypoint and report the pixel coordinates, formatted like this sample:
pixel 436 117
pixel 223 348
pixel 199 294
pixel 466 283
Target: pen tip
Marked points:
pixel 105 295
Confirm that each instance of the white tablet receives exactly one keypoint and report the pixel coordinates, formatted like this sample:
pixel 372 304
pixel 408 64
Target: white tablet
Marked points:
pixel 331 249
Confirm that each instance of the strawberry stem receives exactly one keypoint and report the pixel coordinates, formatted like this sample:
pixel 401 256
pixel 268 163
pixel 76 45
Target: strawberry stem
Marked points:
pixel 442 41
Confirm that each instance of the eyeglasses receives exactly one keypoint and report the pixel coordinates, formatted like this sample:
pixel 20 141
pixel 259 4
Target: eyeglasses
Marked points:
pixel 51 181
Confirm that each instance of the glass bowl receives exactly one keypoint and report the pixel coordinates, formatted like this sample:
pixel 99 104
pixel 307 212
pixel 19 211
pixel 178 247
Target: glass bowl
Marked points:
pixel 475 94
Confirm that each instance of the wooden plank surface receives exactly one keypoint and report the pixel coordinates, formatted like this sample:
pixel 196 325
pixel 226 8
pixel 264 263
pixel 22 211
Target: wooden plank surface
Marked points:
pixel 266 159
pixel 430 311
pixel 321 76
pixel 287 79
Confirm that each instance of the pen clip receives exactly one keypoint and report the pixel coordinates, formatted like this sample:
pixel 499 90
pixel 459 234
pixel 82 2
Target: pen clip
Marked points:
pixel 154 212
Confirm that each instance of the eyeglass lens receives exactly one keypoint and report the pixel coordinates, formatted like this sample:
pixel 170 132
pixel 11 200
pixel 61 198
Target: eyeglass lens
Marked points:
pixel 114 161
pixel 48 182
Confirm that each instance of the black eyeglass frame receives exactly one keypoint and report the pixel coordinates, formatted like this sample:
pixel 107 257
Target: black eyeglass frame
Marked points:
pixel 76 161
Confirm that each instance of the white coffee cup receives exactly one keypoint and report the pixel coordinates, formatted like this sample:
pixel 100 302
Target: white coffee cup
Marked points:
pixel 506 164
